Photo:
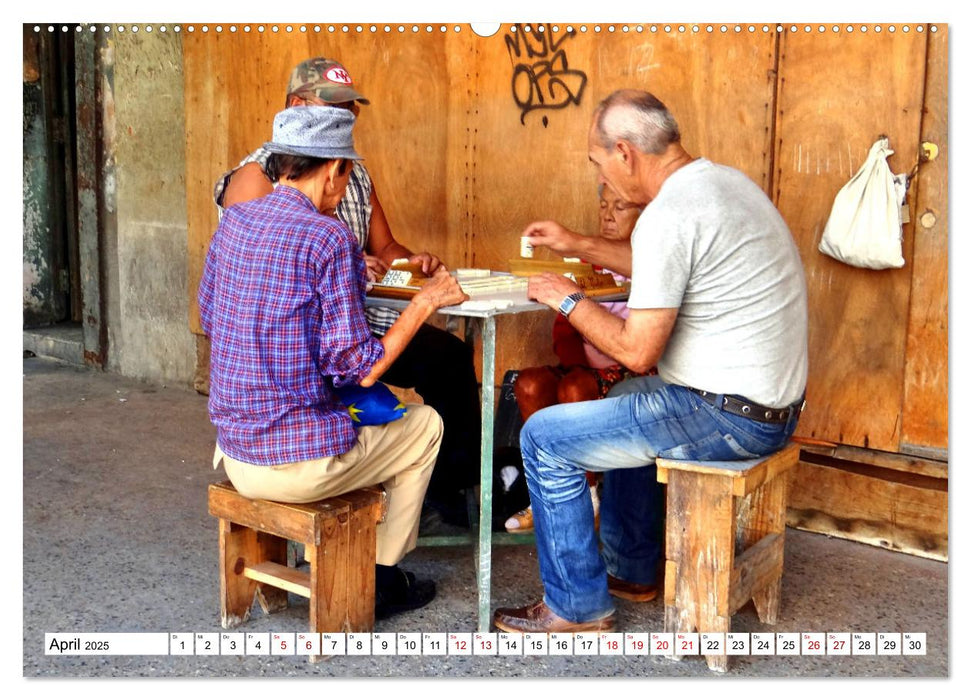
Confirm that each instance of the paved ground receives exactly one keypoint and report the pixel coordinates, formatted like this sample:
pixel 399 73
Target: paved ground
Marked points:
pixel 117 538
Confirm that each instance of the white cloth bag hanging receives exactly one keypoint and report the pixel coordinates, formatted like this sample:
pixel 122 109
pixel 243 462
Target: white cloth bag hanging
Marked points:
pixel 865 227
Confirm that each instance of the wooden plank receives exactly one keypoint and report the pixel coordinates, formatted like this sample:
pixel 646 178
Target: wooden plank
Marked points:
pixel 838 92
pixel 363 499
pixel 925 406
pixel 280 576
pixel 237 545
pixel 206 134
pixel 360 567
pixel 293 521
pixel 746 474
pixel 768 470
pixel 699 538
pixel 403 133
pixel 273 550
pixel 461 189
pixel 755 569
pixel 329 578
pixel 885 460
pixel 527 267
pixel 761 515
pixel 670 584
pixel 861 508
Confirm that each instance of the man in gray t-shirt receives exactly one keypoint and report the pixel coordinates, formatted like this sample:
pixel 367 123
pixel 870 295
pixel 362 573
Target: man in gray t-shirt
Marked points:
pixel 713 247
pixel 717 303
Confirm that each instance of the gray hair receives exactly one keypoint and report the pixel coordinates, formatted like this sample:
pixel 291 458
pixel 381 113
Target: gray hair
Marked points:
pixel 637 117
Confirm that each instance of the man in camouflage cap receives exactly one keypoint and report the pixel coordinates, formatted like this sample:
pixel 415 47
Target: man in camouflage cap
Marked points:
pixel 326 79
pixel 437 364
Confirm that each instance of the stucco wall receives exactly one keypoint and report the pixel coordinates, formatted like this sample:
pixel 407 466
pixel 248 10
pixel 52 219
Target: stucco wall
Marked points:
pixel 40 291
pixel 148 330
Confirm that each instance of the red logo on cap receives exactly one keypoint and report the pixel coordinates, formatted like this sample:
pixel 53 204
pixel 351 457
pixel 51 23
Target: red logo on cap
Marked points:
pixel 338 75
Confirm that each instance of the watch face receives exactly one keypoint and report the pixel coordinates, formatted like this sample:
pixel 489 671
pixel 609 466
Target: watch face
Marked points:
pixel 567 305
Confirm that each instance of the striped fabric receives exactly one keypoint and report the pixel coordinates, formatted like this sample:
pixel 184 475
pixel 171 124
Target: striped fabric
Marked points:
pixel 282 301
pixel 354 210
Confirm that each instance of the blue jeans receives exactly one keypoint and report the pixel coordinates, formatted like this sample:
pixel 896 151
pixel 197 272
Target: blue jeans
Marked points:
pixel 621 436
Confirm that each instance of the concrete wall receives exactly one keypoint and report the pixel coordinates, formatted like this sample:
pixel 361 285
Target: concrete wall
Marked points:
pixel 145 261
pixel 40 290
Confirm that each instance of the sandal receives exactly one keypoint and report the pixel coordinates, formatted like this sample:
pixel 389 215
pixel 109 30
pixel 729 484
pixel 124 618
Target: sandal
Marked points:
pixel 405 593
pixel 521 522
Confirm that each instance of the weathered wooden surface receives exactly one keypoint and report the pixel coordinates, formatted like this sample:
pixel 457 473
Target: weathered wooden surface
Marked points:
pixel 469 139
pixel 290 520
pixel 724 541
pixel 461 159
pixel 280 576
pixel 272 551
pixel 925 375
pixel 360 565
pixel 237 545
pixel 402 134
pixel 700 551
pixel 760 522
pixel 757 576
pixel 339 539
pixel 904 517
pixel 838 91
pixel 329 580
pixel 746 475
pixel 883 460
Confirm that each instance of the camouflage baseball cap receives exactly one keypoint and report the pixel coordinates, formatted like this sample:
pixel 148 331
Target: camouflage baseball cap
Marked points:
pixel 326 78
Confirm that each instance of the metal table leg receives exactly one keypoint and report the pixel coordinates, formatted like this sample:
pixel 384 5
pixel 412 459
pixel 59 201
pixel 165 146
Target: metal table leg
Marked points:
pixel 485 476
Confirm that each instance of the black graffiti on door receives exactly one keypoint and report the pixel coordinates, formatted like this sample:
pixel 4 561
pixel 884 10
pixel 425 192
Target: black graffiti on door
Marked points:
pixel 546 83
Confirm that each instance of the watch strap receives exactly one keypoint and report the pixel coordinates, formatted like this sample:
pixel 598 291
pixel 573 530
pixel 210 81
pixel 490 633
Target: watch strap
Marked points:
pixel 570 302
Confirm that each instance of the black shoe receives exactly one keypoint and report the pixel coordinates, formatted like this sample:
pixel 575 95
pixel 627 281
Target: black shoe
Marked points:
pixel 452 508
pixel 398 591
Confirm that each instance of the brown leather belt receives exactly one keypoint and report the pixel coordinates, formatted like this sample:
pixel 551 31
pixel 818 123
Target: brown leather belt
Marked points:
pixel 741 406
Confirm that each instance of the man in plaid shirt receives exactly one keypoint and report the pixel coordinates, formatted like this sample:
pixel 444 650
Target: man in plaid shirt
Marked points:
pixel 282 301
pixel 436 363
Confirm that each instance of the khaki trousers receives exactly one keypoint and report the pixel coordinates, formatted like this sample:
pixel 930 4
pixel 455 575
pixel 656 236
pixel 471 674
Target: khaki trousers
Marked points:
pixel 399 455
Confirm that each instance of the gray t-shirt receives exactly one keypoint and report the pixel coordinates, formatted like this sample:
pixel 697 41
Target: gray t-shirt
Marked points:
pixel 713 245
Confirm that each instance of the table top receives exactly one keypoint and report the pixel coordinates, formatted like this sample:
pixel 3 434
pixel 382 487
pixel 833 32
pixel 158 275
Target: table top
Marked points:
pixel 482 306
pixel 486 305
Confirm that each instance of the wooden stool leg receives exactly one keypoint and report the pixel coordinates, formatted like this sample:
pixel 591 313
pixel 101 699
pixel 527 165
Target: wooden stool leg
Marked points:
pixel 328 576
pixel 237 545
pixel 362 538
pixel 271 548
pixel 761 514
pixel 700 546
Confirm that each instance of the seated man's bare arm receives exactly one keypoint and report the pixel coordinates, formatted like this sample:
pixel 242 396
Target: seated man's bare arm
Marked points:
pixel 613 254
pixel 637 342
pixel 245 184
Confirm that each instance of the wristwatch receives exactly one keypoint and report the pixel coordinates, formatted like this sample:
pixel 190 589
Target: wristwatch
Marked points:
pixel 570 302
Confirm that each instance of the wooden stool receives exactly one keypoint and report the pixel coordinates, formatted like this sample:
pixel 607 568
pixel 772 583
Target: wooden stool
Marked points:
pixel 724 542
pixel 339 541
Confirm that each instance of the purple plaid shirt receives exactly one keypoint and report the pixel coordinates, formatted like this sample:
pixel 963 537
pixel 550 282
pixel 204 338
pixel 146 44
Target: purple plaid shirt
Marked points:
pixel 282 301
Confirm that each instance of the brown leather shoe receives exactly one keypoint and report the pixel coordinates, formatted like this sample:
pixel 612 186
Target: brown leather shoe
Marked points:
pixel 539 618
pixel 638 592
